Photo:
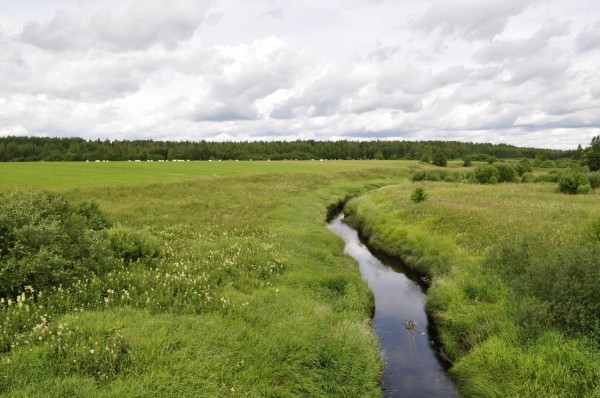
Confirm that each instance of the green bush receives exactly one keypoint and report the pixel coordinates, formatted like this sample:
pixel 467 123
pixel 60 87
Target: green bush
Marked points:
pixel 439 159
pixel 495 173
pixel 45 242
pixel 437 175
pixel 506 172
pixel 527 177
pixel 575 181
pixel 524 166
pixel 584 189
pixel 594 179
pixel 94 216
pixel 467 162
pixel 418 195
pixel 132 244
pixel 481 157
pixel 552 176
pixel 487 174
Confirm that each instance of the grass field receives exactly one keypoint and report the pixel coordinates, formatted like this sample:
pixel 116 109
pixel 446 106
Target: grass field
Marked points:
pixel 250 296
pixel 70 175
pixel 514 278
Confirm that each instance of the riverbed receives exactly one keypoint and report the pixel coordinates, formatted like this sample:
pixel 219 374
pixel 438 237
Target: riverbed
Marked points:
pixel 412 368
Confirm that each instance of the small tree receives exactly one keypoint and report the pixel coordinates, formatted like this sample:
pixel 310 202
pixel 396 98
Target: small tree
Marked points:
pixel 506 172
pixel 524 166
pixel 576 181
pixel 439 159
pixel 487 174
pixel 418 195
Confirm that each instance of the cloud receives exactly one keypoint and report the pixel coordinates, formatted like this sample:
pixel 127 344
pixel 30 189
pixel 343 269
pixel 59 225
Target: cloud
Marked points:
pixel 95 76
pixel 589 38
pixel 135 25
pixel 227 69
pixel 470 19
pixel 504 50
pixel 238 76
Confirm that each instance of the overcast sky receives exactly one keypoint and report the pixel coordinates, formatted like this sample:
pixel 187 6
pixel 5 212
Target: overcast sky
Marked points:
pixel 522 72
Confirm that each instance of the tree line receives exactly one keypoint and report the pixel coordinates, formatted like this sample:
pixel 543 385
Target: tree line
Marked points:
pixel 27 149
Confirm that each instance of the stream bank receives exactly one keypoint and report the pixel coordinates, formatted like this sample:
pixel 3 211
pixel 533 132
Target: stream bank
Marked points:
pixel 412 368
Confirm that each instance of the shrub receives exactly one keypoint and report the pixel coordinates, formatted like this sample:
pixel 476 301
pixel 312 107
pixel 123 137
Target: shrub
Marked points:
pixel 439 159
pixel 506 172
pixel 418 195
pixel 594 179
pixel 527 177
pixel 428 175
pixel 487 174
pixel 95 218
pixel 584 189
pixel 566 163
pixel 575 181
pixel 483 158
pixel 552 176
pixel 437 175
pixel 467 161
pixel 132 244
pixel 45 242
pixel 524 166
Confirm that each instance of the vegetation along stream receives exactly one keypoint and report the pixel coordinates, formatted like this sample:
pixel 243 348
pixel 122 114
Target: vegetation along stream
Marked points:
pixel 412 368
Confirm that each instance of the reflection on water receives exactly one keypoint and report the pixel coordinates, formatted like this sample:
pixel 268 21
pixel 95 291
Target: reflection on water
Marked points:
pixel 411 366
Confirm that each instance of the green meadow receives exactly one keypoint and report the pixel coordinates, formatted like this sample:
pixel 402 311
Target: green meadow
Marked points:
pixel 70 175
pixel 514 279
pixel 228 282
pixel 210 279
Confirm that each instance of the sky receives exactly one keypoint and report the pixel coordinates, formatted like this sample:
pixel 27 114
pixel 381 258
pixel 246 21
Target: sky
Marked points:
pixel 521 72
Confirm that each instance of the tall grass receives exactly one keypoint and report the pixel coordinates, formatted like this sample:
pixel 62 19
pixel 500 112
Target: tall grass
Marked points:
pixel 248 295
pixel 514 275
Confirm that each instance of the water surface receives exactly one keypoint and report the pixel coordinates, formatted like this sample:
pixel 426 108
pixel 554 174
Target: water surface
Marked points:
pixel 412 368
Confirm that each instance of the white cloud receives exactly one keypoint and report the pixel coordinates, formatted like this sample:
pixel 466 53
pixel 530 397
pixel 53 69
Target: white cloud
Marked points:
pixel 470 19
pixel 522 72
pixel 589 38
pixel 241 78
pixel 134 25
pixel 503 50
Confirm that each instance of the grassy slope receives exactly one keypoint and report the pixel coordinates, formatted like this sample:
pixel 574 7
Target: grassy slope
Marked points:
pixel 498 349
pixel 252 296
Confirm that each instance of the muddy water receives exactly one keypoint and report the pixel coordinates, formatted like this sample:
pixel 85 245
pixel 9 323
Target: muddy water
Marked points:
pixel 412 368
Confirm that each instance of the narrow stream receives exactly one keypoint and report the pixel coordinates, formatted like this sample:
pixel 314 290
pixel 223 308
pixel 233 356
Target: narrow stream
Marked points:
pixel 412 368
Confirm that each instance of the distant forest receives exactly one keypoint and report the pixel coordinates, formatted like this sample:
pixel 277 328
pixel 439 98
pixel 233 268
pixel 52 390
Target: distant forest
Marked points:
pixel 27 149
